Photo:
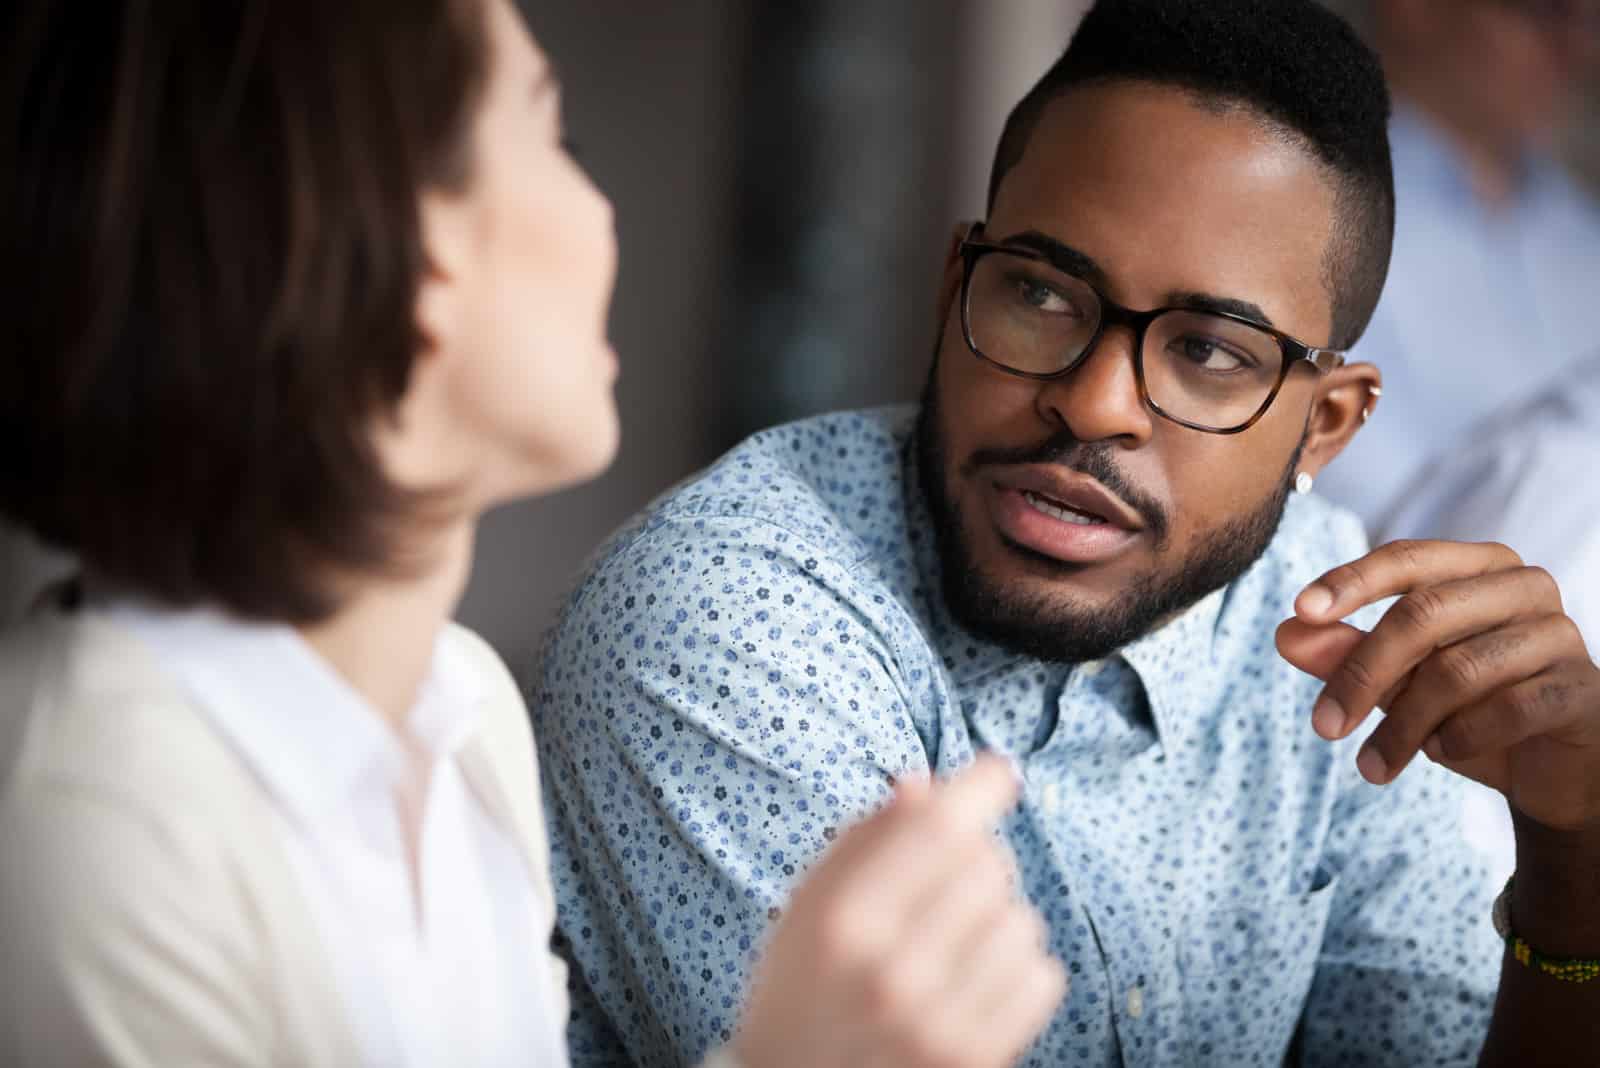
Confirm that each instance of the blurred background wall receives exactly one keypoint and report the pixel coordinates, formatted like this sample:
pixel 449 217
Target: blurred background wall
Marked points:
pixel 786 178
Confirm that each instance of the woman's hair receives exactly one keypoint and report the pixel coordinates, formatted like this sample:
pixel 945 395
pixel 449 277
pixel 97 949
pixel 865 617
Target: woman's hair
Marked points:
pixel 212 247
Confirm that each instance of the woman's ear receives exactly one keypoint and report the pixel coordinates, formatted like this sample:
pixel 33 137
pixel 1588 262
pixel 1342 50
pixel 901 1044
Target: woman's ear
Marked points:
pixel 1346 398
pixel 446 244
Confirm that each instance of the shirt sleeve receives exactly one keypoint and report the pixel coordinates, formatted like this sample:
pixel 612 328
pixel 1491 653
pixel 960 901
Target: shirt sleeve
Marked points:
pixel 1410 961
pixel 713 709
pixel 113 956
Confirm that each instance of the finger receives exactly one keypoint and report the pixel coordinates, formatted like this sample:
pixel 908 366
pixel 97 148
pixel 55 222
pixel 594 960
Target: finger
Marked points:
pixel 1018 1020
pixel 997 967
pixel 980 795
pixel 1454 677
pixel 1318 650
pixel 1396 568
pixel 909 848
pixel 1018 1004
pixel 922 1004
pixel 938 930
pixel 1546 704
pixel 912 787
pixel 1419 623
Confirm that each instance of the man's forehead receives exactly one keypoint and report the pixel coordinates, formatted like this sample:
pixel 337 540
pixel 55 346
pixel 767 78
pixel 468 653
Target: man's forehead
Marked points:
pixel 1168 195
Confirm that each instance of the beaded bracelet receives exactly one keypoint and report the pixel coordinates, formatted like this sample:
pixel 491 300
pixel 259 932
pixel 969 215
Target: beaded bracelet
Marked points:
pixel 1565 969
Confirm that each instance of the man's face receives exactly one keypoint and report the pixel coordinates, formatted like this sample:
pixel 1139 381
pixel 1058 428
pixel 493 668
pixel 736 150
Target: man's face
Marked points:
pixel 1170 201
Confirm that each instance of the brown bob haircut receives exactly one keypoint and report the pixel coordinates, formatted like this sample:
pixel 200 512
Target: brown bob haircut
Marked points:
pixel 212 248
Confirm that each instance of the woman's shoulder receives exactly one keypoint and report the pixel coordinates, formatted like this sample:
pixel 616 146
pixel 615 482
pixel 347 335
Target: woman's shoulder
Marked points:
pixel 86 709
pixel 506 725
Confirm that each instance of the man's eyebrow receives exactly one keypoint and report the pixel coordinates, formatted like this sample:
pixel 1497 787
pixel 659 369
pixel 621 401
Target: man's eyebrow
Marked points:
pixel 1210 302
pixel 1082 265
pixel 1060 255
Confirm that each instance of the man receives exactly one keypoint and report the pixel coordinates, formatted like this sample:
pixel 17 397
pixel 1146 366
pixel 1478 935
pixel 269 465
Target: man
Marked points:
pixel 1491 292
pixel 1077 551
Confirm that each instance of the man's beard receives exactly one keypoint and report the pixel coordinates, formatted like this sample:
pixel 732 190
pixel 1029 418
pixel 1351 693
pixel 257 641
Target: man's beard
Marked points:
pixel 1053 626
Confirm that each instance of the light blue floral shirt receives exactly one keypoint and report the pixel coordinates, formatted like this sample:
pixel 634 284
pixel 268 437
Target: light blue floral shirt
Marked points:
pixel 751 661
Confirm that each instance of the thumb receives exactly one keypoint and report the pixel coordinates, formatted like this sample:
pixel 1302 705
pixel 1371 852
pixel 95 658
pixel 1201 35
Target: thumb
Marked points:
pixel 1317 648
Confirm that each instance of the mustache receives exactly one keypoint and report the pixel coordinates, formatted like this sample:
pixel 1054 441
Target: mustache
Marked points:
pixel 1092 458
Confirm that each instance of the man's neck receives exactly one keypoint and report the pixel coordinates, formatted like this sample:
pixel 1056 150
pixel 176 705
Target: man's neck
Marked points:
pixel 382 638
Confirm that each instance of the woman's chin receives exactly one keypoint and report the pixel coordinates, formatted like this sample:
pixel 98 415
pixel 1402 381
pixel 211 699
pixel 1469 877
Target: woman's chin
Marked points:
pixel 549 467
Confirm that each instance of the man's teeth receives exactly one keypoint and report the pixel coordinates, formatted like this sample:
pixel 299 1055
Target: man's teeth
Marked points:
pixel 1055 511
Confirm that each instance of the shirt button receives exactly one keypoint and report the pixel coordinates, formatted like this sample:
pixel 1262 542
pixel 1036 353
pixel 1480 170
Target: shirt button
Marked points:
pixel 1136 1002
pixel 1050 799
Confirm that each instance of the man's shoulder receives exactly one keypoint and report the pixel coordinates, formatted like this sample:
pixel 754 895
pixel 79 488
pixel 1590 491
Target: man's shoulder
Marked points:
pixel 830 482
pixel 825 466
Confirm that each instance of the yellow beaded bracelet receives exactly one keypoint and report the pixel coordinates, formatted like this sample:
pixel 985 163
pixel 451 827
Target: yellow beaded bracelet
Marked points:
pixel 1566 969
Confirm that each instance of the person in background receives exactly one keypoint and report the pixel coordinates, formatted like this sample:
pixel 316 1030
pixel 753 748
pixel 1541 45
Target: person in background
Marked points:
pixel 1489 307
pixel 1080 549
pixel 1491 290
pixel 1529 477
pixel 296 291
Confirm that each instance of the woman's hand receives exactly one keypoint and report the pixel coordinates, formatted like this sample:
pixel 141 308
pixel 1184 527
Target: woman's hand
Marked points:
pixel 908 945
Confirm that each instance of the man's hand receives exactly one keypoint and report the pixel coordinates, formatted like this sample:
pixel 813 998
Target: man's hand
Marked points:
pixel 1476 665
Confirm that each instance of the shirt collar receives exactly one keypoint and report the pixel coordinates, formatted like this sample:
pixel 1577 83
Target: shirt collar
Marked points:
pixel 311 738
pixel 1174 663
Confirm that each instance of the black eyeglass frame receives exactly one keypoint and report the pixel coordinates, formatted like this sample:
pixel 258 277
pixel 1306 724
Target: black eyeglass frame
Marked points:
pixel 1294 351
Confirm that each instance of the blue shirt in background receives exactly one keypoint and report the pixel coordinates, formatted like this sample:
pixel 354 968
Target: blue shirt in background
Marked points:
pixel 1484 308
pixel 752 661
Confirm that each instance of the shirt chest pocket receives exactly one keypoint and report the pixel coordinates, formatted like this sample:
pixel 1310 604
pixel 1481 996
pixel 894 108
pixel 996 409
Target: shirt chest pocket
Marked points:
pixel 1246 970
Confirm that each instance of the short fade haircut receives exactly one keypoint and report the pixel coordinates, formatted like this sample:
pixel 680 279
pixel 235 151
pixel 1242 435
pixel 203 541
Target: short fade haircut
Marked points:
pixel 212 235
pixel 1293 64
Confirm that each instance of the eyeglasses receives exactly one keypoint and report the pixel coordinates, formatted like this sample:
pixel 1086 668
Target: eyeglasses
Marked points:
pixel 1207 370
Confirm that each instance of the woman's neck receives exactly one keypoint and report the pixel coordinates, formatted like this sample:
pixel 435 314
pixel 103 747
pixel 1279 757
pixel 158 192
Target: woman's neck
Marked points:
pixel 381 640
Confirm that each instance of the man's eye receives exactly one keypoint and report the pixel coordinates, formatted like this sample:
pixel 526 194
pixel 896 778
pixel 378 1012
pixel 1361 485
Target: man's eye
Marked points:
pixel 1209 354
pixel 1044 298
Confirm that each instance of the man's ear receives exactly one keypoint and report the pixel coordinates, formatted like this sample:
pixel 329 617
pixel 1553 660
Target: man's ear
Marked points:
pixel 1345 399
pixel 950 281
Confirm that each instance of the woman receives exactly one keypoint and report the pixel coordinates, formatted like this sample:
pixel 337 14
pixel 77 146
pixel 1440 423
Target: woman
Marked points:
pixel 300 290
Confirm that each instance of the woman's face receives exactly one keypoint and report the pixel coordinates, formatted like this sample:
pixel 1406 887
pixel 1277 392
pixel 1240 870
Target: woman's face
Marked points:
pixel 512 396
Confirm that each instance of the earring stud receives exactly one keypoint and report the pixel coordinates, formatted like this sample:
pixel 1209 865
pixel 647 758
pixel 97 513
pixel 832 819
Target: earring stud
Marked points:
pixel 1303 482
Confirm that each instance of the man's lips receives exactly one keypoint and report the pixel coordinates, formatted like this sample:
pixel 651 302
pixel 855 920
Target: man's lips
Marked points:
pixel 1072 491
pixel 1062 514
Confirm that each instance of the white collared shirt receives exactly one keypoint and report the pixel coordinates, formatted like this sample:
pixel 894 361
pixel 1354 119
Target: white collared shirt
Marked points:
pixel 438 960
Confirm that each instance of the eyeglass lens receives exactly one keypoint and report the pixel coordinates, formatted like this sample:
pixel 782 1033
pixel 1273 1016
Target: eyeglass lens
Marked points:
pixel 1200 368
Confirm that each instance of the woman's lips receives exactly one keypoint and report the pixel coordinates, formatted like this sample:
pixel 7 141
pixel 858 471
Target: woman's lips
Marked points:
pixel 1055 530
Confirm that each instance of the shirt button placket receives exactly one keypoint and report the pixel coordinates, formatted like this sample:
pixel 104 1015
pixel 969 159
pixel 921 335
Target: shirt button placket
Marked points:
pixel 1050 800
